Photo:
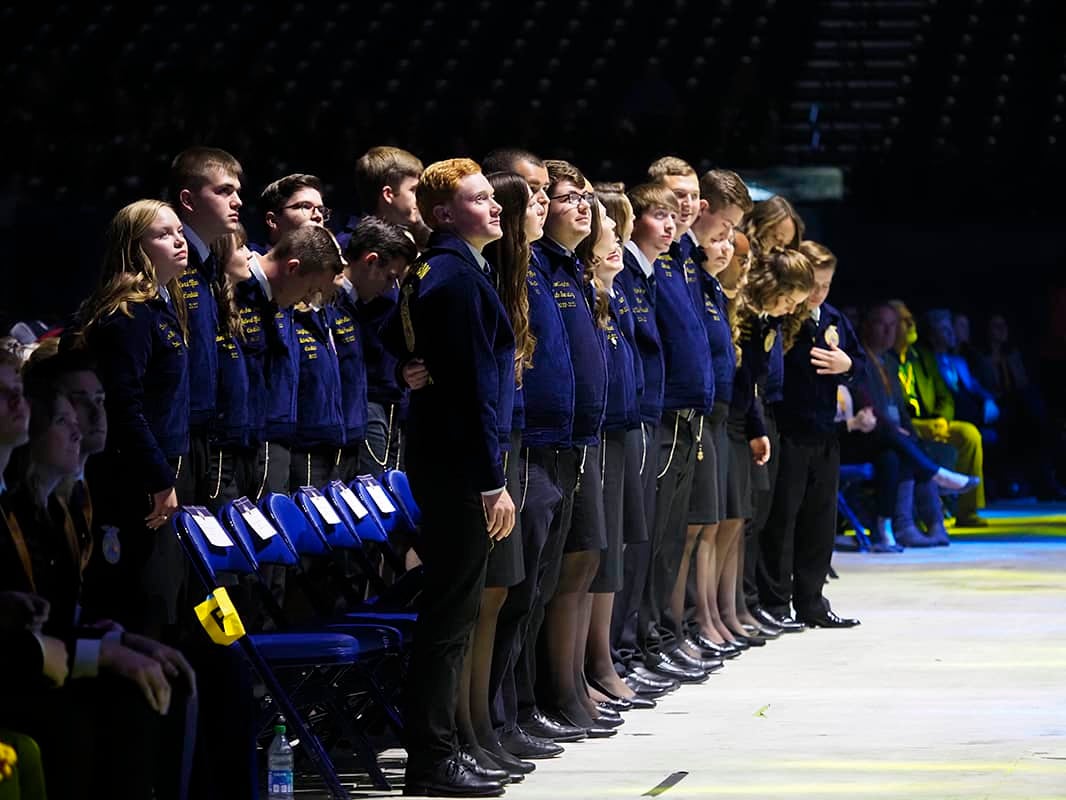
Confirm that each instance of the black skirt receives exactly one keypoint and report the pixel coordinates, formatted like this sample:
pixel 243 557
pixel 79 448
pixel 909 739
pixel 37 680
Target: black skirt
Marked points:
pixel 588 529
pixel 613 463
pixel 506 567
pixel 707 504
pixel 738 482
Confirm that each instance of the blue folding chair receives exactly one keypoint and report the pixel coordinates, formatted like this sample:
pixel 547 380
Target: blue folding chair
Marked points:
pixel 211 552
pixel 400 490
pixel 270 544
pixel 375 527
pixel 309 522
pixel 851 474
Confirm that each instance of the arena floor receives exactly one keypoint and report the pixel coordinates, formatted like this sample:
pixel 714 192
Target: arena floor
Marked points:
pixel 953 687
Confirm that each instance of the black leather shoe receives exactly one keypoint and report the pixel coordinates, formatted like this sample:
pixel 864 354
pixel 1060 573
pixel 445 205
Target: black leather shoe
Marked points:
pixel 594 732
pixel 601 721
pixel 784 623
pixel 541 726
pixel 449 778
pixel 515 768
pixel 684 659
pixel 670 669
pixel 617 703
pixel 693 647
pixel 752 641
pixel 739 642
pixel 722 650
pixel 521 744
pixel 633 703
pixel 643 690
pixel 762 631
pixel 653 679
pixel 481 768
pixel 827 619
pixel 605 710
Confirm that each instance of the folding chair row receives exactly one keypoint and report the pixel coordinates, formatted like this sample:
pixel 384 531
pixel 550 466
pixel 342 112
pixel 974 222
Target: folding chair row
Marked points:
pixel 326 671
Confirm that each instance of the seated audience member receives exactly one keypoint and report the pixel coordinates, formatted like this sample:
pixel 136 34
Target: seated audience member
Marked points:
pixel 906 477
pixel 932 410
pixel 973 402
pixel 1028 440
pixel 135 679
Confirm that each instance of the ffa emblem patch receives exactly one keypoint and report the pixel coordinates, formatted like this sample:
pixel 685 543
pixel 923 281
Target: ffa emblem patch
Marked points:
pixel 768 342
pixel 832 337
pixel 111 546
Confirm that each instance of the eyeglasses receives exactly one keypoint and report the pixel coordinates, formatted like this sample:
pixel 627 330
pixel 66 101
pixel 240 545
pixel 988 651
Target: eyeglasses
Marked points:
pixel 575 198
pixel 308 207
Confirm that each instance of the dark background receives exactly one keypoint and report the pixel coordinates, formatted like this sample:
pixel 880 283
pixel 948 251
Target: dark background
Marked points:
pixel 946 118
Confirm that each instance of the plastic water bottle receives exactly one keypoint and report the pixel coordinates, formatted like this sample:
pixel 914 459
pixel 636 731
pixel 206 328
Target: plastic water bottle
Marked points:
pixel 279 767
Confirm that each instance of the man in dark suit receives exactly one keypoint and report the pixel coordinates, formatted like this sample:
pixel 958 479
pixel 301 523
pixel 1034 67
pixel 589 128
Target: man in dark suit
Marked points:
pixel 451 320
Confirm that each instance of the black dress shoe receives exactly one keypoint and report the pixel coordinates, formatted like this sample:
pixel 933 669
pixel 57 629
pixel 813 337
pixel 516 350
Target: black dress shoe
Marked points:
pixel 516 768
pixel 604 710
pixel 601 721
pixel 784 623
pixel 449 778
pixel 706 653
pixel 633 703
pixel 762 632
pixel 827 619
pixel 520 743
pixel 543 727
pixel 664 666
pixel 481 768
pixel 617 703
pixel 833 572
pixel 684 659
pixel 593 732
pixel 738 642
pixel 654 679
pixel 753 641
pixel 643 690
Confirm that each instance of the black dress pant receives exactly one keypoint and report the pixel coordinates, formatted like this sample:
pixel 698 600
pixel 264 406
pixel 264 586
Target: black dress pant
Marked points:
pixel 454 550
pixel 755 529
pixel 562 468
pixel 383 448
pixel 636 561
pixel 678 437
pixel 543 502
pixel 314 466
pixel 802 525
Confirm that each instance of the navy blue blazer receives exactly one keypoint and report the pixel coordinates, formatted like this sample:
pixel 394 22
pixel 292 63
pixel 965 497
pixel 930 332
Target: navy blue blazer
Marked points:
pixel 623 408
pixel 640 293
pixel 750 380
pixel 348 338
pixel 451 317
pixel 719 336
pixel 143 364
pixel 688 370
pixel 319 419
pixel 547 386
pixel 203 328
pixel 807 411
pixel 587 341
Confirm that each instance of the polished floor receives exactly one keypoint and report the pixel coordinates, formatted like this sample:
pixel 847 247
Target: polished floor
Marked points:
pixel 953 687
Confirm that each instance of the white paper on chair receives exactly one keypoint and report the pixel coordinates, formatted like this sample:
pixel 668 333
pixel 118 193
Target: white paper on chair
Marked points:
pixel 381 500
pixel 353 503
pixel 214 532
pixel 260 524
pixel 325 508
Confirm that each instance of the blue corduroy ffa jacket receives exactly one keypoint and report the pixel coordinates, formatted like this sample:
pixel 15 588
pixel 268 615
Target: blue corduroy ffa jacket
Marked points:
pixel 450 316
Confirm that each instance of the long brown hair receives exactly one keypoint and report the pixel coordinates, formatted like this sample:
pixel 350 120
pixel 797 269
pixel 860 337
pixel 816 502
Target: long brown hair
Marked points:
pixel 601 312
pixel 128 275
pixel 510 256
pixel 765 216
pixel 778 272
pixel 229 318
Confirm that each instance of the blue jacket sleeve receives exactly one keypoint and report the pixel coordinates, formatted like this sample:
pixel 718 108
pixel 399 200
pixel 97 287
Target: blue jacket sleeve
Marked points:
pixel 462 363
pixel 123 347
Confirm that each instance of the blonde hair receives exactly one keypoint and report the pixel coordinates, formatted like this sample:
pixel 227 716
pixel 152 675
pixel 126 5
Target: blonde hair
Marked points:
pixel 820 256
pixel 778 272
pixel 668 166
pixel 128 275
